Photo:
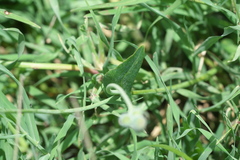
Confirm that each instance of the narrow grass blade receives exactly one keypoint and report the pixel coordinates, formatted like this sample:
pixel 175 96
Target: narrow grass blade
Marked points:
pixel 41 96
pixel 30 127
pixel 114 11
pixel 66 126
pixel 174 150
pixel 73 49
pixel 5 104
pixel 168 11
pixel 100 32
pixel 7 150
pixel 55 6
pixel 45 57
pixel 45 157
pixel 61 134
pixel 234 93
pixel 190 94
pixel 118 155
pixel 10 15
pixel 224 65
pixel 210 136
pixel 231 16
pixel 213 39
pixel 114 23
pixel 134 136
pixel 186 43
pixel 175 109
pixel 21 40
pixel 208 150
pixel 236 55
pixel 110 5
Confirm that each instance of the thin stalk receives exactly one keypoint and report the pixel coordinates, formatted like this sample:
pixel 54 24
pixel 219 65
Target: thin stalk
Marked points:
pixel 49 66
pixel 60 111
pixel 186 84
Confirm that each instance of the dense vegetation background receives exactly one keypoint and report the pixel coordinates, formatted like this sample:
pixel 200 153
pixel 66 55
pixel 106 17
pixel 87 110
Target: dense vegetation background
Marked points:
pixel 178 61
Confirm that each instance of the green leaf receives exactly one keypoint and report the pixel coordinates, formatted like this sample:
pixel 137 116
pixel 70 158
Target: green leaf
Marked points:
pixel 186 43
pixel 62 133
pixel 43 57
pixel 29 125
pixel 237 54
pixel 17 18
pixel 217 106
pixel 125 74
pixel 5 104
pixel 41 96
pixel 21 40
pixel 45 157
pixel 214 142
pixel 110 5
pixel 169 148
pixel 213 39
pixel 74 51
pixel 190 94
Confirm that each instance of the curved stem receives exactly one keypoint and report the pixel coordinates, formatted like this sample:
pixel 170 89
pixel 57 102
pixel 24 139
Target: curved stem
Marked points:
pixel 115 89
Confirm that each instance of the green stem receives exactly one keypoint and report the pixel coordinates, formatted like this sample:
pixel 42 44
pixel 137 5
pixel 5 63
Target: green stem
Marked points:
pixel 63 111
pixel 119 91
pixel 49 66
pixel 186 84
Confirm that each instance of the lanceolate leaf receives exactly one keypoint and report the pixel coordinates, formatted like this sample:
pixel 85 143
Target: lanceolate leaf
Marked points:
pixel 125 74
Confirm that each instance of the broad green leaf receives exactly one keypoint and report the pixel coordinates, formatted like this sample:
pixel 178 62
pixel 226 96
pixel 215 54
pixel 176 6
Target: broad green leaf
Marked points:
pixel 125 74
pixel 10 15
